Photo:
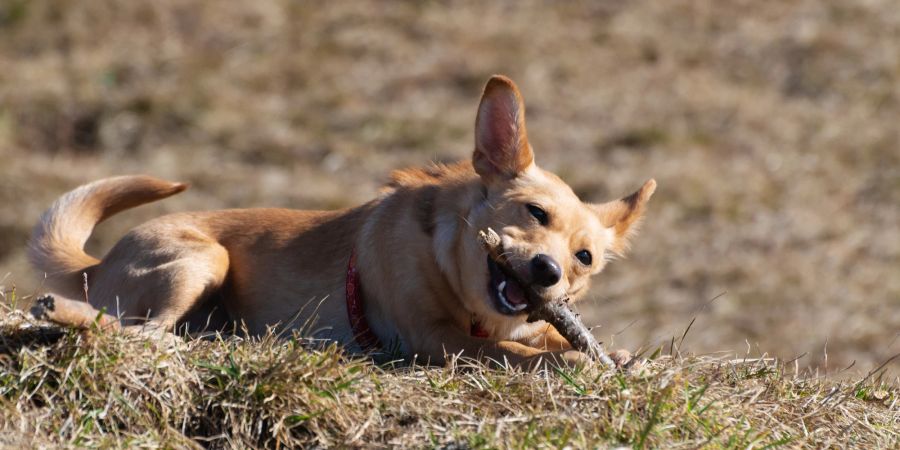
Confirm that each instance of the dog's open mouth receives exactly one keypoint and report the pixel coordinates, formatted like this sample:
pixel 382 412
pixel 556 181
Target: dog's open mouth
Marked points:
pixel 506 291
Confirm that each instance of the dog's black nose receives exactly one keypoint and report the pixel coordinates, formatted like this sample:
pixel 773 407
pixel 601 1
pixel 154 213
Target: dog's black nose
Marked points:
pixel 545 271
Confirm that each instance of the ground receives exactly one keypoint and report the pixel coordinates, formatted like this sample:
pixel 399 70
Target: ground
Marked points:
pixel 94 389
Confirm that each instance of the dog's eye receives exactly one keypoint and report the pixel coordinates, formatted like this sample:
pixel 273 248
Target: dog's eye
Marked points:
pixel 538 214
pixel 585 257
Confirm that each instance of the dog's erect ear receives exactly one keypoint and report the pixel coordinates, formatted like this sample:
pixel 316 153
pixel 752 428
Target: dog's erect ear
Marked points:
pixel 502 150
pixel 624 215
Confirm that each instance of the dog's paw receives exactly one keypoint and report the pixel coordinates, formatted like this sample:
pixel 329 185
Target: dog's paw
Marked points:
pixel 576 358
pixel 552 360
pixel 43 307
pixel 625 360
pixel 621 357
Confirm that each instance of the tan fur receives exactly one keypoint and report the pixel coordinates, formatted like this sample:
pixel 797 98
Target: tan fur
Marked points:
pixel 423 274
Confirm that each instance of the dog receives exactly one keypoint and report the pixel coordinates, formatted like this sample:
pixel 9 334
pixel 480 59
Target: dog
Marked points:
pixel 403 272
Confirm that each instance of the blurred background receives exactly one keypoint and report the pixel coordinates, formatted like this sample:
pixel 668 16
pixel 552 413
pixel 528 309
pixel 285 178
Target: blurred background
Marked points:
pixel 771 127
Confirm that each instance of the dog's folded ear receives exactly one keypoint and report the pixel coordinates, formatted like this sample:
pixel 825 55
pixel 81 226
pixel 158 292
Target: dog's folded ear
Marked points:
pixel 624 215
pixel 502 150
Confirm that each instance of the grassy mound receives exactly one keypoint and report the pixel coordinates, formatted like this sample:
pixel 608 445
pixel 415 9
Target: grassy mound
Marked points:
pixel 68 388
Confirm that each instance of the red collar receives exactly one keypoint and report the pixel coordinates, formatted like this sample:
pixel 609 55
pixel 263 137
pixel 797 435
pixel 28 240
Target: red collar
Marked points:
pixel 355 310
pixel 357 315
pixel 477 330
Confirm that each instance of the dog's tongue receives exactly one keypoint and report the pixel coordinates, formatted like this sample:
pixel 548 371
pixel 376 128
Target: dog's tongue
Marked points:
pixel 514 293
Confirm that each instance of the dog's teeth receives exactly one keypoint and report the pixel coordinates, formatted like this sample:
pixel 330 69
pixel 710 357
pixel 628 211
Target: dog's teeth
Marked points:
pixel 500 287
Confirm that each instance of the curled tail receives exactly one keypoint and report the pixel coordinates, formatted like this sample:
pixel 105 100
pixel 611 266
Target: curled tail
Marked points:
pixel 57 242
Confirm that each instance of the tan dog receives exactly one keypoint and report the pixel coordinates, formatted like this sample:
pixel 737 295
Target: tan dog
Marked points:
pixel 419 284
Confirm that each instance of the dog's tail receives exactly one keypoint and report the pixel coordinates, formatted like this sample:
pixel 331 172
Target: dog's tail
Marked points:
pixel 57 241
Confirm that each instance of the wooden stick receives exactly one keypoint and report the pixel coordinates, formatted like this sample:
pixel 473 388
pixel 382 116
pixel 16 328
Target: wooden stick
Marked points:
pixel 557 313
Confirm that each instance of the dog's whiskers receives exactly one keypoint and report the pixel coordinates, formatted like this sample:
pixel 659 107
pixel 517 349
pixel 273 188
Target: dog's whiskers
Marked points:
pixel 464 219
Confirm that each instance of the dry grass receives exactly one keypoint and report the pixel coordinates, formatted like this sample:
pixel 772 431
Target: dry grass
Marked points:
pixel 62 388
pixel 771 127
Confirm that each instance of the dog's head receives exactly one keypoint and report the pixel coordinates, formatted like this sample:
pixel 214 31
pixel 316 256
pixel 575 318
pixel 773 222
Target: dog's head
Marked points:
pixel 552 241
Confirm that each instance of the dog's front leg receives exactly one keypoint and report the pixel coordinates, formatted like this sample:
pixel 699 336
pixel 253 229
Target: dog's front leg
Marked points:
pixel 445 339
pixel 548 339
